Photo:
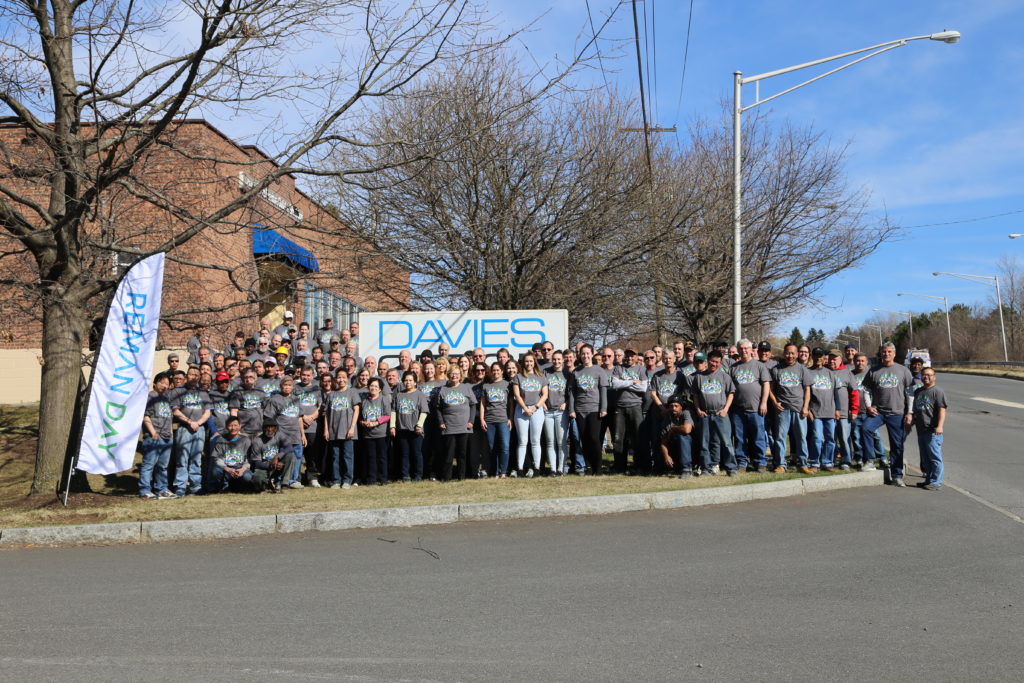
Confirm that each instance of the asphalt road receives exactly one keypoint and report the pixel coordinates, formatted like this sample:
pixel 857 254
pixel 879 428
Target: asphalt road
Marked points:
pixel 863 584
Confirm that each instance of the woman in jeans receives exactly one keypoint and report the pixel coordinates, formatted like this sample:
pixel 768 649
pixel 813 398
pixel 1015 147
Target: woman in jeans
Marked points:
pixel 495 420
pixel 556 417
pixel 530 391
pixel 408 415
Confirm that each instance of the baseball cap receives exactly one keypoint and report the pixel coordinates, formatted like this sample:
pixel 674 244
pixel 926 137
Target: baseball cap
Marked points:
pixel 282 349
pixel 288 314
pixel 835 352
pixel 222 376
pixel 269 361
pixel 675 398
pixel 700 357
pixel 764 346
pixel 335 338
pixel 270 422
pixel 851 346
pixel 817 351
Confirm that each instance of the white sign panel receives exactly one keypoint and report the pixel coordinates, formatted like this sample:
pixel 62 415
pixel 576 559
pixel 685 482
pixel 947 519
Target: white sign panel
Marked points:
pixel 120 380
pixel 384 335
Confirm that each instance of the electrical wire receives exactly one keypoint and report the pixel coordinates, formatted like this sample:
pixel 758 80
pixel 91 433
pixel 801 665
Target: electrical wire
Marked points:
pixel 643 105
pixel 686 55
pixel 597 47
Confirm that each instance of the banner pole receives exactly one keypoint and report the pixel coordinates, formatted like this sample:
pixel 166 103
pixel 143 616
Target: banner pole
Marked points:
pixel 74 444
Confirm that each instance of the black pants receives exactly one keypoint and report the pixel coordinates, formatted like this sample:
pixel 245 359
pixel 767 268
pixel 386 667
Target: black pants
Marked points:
pixel 313 455
pixel 456 447
pixel 626 436
pixel 410 446
pixel 590 434
pixel 376 460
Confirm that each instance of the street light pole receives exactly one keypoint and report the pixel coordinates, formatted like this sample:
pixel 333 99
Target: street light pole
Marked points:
pixel 910 319
pixel 945 303
pixel 737 126
pixel 879 328
pixel 999 301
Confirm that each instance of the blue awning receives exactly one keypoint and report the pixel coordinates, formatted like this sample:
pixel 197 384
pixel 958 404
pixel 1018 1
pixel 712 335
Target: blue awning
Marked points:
pixel 268 242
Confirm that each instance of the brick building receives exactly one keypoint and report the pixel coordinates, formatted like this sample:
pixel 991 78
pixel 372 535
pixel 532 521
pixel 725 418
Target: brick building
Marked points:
pixel 281 251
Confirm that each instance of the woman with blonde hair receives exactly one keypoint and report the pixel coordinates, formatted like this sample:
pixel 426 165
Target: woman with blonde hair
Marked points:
pixel 529 391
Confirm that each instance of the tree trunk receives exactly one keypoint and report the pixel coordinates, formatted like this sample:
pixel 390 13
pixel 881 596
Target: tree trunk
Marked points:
pixel 63 339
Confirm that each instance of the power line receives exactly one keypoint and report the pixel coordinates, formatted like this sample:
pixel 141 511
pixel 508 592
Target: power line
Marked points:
pixel 686 55
pixel 597 47
pixel 643 105
pixel 654 74
pixel 962 220
pixel 647 59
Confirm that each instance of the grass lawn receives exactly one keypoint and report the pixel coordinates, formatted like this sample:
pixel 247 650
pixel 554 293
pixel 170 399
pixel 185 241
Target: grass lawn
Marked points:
pixel 114 497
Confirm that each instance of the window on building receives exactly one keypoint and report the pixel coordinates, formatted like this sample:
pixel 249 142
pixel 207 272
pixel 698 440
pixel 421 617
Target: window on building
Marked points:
pixel 321 304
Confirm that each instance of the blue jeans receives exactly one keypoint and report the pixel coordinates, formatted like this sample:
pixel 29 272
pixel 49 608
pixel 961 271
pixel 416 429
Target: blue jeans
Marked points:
pixel 857 437
pixel 680 449
pixel 410 448
pixel 823 445
pixel 188 450
pixel 297 470
pixel 751 439
pixel 716 442
pixel 580 461
pixel 156 455
pixel 341 462
pixel 930 445
pixel 897 435
pixel 220 480
pixel 844 440
pixel 789 426
pixel 529 429
pixel 498 436
pixel 556 433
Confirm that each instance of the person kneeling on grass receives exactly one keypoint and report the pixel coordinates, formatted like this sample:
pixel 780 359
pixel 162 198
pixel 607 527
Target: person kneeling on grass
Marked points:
pixel 675 437
pixel 271 458
pixel 230 452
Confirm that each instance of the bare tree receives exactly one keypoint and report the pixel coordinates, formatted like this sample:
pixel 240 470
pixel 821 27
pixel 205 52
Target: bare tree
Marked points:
pixel 90 91
pixel 517 196
pixel 802 225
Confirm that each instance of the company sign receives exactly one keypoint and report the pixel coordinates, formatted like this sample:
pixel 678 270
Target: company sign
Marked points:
pixel 384 335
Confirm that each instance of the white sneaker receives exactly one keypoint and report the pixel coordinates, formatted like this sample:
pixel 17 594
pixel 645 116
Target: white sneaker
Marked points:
pixel 335 486
pixel 295 485
pixel 868 467
pixel 529 473
pixel 898 482
pixel 714 469
pixel 314 483
pixel 346 486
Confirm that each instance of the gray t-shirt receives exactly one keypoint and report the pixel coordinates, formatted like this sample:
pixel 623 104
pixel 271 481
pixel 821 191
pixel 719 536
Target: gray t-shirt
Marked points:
pixel 823 393
pixel 339 406
pixel 269 385
pixel 557 384
pixel 666 383
pixel 219 409
pixel 927 402
pixel 858 384
pixel 844 382
pixel 373 409
pixel 711 389
pixel 249 403
pixel 192 402
pixel 286 410
pixel 530 387
pixel 262 449
pixel 684 419
pixel 158 410
pixel 408 405
pixel 589 391
pixel 310 397
pixel 888 388
pixel 495 401
pixel 632 394
pixel 228 452
pixel 454 407
pixel 749 378
pixel 788 384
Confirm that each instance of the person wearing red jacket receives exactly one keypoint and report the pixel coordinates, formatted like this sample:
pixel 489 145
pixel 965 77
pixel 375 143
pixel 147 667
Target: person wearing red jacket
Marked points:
pixel 847 406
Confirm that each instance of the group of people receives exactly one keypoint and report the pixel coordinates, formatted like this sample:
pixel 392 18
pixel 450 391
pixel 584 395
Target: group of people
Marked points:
pixel 283 406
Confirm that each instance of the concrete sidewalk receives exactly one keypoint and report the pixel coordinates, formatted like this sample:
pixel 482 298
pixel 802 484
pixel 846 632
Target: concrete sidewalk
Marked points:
pixel 236 527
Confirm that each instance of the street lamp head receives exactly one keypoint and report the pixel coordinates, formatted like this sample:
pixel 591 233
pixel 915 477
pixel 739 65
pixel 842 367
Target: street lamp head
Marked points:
pixel 1015 235
pixel 936 274
pixel 946 36
pixel 899 293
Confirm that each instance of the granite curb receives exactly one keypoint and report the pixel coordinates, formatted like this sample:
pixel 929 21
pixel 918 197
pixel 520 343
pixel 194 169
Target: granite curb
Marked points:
pixel 238 527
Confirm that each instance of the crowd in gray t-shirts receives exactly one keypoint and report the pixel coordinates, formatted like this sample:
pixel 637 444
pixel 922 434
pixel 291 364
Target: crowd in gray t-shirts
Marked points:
pixel 288 407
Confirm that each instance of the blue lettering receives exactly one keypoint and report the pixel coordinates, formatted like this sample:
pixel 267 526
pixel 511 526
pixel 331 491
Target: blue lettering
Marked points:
pixel 485 333
pixel 455 343
pixel 423 339
pixel 128 336
pixel 516 329
pixel 136 300
pixel 116 386
pixel 136 319
pixel 129 363
pixel 394 323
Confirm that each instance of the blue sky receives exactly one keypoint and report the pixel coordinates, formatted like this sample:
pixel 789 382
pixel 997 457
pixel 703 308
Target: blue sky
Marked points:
pixel 934 130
